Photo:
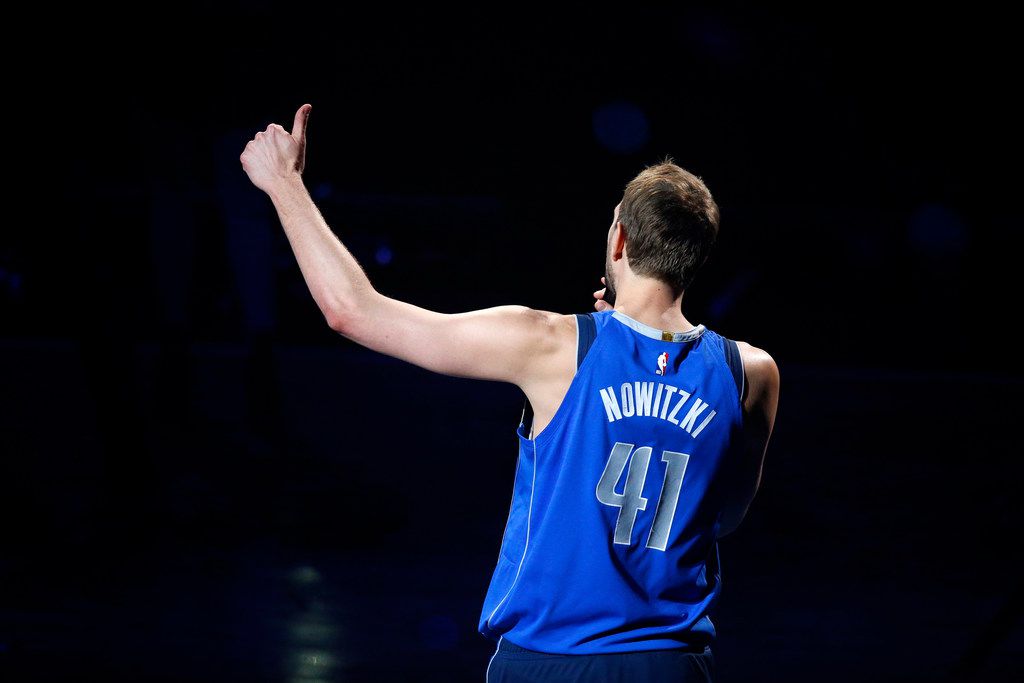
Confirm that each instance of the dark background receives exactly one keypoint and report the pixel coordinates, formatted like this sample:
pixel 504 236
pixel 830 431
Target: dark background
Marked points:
pixel 203 482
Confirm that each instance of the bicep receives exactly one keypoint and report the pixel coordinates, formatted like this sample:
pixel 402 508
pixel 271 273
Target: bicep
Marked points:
pixel 494 343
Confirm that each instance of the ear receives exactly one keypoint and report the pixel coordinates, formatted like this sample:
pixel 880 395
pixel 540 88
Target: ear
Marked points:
pixel 618 240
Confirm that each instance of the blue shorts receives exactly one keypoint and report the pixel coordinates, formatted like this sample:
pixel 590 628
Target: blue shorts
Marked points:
pixel 513 664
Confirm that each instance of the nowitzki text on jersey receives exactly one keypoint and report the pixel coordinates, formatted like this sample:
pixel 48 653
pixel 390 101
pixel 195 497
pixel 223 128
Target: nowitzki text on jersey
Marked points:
pixel 666 402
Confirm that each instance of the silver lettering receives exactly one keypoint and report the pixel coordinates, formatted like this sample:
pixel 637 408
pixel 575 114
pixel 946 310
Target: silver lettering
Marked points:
pixel 611 406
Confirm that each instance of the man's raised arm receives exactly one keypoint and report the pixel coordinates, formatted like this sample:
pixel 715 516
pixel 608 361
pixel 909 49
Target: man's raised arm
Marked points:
pixel 505 343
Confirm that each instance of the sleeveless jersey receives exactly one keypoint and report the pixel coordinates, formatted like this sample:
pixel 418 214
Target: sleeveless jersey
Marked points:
pixel 611 539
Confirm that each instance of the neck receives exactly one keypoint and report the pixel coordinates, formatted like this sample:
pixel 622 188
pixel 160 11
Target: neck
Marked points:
pixel 651 302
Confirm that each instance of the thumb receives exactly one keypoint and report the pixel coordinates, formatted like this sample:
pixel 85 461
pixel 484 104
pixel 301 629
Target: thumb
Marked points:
pixel 299 127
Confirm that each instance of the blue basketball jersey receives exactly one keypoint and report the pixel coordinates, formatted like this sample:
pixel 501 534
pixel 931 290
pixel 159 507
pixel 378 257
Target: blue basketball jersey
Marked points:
pixel 611 538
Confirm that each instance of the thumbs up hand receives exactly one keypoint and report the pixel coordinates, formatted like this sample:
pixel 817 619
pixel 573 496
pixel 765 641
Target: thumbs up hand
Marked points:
pixel 276 155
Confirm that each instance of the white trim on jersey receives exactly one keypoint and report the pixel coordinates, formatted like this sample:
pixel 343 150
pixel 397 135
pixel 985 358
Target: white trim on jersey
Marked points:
pixel 576 317
pixel 655 333
pixel 526 546
pixel 487 674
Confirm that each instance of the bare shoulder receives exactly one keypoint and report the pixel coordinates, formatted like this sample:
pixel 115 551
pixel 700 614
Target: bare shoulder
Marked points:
pixel 548 346
pixel 757 362
pixel 558 331
pixel 554 352
pixel 548 320
pixel 548 328
pixel 561 325
pixel 762 375
pixel 538 320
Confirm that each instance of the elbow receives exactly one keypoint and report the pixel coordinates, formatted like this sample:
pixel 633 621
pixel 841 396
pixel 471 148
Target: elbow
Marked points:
pixel 347 321
pixel 338 319
pixel 343 314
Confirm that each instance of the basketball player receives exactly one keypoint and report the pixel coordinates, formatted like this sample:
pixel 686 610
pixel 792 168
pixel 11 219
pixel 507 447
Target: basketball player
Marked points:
pixel 646 444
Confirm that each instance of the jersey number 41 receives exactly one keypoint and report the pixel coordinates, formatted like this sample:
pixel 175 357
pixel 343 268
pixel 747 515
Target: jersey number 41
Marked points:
pixel 630 501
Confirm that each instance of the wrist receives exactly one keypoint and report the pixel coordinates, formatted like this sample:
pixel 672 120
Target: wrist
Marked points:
pixel 285 186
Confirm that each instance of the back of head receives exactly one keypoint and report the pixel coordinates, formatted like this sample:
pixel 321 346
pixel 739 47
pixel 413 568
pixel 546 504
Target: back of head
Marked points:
pixel 670 221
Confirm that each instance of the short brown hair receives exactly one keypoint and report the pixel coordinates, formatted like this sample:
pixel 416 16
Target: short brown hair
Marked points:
pixel 670 221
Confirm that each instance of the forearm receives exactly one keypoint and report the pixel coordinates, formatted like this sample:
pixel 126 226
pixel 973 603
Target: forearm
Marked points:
pixel 334 277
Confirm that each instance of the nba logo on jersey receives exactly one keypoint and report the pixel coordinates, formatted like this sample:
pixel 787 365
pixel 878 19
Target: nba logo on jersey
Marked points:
pixel 662 363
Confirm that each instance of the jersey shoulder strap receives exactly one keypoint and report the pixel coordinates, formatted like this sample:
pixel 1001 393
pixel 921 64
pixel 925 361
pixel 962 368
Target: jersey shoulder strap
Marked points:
pixel 735 362
pixel 586 333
